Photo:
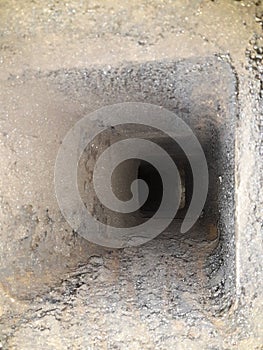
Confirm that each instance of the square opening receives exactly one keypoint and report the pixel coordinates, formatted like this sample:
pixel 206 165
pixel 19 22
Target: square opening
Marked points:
pixel 202 92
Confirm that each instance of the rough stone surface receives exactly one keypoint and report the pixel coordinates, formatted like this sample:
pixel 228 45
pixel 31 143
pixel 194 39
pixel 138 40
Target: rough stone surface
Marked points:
pixel 57 290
